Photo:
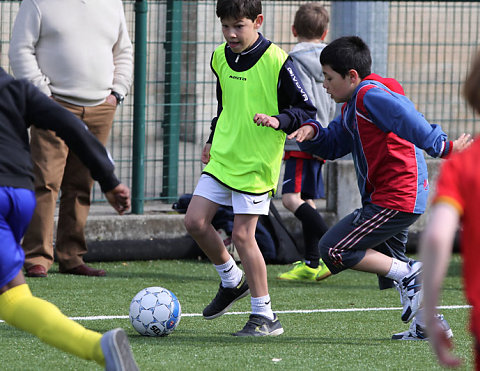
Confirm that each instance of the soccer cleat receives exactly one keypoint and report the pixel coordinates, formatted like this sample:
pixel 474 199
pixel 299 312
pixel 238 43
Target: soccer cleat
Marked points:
pixel 417 332
pixel 225 298
pixel 117 352
pixel 323 271
pixel 410 291
pixel 302 272
pixel 261 326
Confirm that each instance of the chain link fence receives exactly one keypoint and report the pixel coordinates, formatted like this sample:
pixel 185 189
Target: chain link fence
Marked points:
pixel 427 46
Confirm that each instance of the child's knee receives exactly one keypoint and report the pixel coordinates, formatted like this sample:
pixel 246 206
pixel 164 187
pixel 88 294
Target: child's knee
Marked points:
pixel 193 225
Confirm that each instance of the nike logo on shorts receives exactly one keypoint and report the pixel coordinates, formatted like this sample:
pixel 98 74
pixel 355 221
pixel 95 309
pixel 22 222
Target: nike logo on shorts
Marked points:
pixel 257 201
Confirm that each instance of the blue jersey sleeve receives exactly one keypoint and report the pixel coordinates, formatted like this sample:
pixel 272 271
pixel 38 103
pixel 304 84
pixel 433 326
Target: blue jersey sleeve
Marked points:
pixel 392 112
pixel 331 142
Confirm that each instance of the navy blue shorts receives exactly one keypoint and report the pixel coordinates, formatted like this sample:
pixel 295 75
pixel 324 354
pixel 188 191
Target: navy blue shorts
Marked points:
pixel 384 230
pixel 303 176
pixel 16 209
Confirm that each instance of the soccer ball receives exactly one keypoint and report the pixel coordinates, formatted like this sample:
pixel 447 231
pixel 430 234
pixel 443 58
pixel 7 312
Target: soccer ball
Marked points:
pixel 155 311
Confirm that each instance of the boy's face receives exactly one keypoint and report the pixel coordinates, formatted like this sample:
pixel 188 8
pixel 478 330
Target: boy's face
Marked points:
pixel 339 87
pixel 242 33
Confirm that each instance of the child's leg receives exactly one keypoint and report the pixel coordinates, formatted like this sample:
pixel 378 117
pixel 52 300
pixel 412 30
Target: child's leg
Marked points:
pixel 253 263
pixel 198 222
pixel 22 310
pixel 302 184
pixel 352 242
pixel 262 321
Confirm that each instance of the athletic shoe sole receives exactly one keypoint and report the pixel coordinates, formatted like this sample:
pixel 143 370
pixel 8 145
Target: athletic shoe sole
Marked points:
pixel 117 352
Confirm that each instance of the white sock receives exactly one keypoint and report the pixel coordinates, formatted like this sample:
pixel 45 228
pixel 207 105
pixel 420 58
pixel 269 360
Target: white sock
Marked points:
pixel 262 306
pixel 398 270
pixel 229 273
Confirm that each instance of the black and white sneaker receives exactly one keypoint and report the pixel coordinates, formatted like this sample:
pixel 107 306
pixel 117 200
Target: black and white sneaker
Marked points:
pixel 225 298
pixel 417 332
pixel 261 326
pixel 410 291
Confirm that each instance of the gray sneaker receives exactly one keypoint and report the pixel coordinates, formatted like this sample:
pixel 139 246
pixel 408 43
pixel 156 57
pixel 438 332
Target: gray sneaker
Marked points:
pixel 225 298
pixel 417 332
pixel 410 291
pixel 117 352
pixel 261 326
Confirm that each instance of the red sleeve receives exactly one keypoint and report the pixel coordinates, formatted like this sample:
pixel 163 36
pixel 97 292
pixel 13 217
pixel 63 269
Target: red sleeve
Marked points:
pixel 449 184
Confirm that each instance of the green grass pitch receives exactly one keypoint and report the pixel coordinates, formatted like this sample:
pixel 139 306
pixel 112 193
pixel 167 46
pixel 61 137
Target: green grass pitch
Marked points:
pixel 341 323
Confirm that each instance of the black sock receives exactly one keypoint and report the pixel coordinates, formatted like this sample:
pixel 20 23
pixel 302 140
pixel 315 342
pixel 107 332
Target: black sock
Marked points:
pixel 314 228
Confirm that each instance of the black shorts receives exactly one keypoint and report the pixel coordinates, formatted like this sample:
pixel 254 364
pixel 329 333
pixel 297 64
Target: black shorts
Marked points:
pixel 384 230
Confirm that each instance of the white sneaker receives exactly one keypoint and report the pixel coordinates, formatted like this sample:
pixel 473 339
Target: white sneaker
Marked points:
pixel 417 332
pixel 410 291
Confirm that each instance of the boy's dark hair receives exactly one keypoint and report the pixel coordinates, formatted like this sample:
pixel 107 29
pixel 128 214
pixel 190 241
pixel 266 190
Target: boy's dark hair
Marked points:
pixel 347 53
pixel 471 89
pixel 311 20
pixel 238 9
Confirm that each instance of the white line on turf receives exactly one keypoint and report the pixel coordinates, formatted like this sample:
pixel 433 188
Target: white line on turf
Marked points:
pixel 302 311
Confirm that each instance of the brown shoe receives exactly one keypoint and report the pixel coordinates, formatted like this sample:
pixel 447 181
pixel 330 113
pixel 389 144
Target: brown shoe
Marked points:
pixel 84 270
pixel 36 271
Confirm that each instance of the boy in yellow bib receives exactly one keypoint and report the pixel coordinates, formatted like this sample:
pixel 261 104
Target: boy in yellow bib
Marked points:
pixel 260 100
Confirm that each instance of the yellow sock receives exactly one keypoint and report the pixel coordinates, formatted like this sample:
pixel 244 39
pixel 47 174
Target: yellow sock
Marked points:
pixel 19 308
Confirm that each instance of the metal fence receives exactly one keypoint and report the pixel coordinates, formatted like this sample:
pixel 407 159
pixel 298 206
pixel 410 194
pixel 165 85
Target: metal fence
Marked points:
pixel 427 46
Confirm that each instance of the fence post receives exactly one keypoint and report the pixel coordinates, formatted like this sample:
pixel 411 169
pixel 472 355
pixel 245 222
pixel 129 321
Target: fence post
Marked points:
pixel 368 20
pixel 171 125
pixel 139 106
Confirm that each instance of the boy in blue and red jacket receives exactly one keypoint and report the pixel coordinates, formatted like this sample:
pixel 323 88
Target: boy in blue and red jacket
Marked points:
pixel 385 134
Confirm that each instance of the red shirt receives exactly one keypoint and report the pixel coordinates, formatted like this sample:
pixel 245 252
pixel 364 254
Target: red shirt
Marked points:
pixel 459 185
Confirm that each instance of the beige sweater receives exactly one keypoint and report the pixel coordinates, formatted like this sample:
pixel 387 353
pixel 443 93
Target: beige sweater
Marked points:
pixel 76 50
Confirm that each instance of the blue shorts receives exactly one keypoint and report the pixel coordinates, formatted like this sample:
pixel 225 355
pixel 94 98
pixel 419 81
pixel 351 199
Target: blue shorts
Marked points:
pixel 303 176
pixel 16 209
pixel 384 230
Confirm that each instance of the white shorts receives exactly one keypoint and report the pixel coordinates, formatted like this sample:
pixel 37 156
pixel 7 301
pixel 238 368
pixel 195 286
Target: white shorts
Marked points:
pixel 242 203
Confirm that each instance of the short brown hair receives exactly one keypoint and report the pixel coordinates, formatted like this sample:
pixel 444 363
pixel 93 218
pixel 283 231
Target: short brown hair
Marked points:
pixel 471 88
pixel 311 20
pixel 237 9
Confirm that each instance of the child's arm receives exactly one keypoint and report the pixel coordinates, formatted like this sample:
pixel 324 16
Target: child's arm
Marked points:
pixel 44 113
pixel 396 113
pixel 328 143
pixel 435 252
pixel 206 153
pixel 294 104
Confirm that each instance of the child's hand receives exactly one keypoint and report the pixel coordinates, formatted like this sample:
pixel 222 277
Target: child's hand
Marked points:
pixel 206 153
pixel 265 120
pixel 305 132
pixel 119 198
pixel 443 347
pixel 462 142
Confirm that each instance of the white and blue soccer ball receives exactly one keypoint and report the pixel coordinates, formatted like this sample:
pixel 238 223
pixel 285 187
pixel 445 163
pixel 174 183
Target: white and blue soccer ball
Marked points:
pixel 155 311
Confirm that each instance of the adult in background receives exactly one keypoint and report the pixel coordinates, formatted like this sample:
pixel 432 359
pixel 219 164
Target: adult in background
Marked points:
pixel 79 54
